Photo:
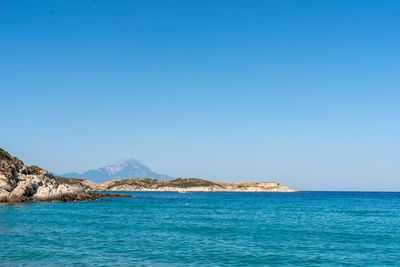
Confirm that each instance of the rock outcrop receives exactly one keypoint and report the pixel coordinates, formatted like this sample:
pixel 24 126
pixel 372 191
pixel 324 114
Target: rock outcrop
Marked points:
pixel 20 183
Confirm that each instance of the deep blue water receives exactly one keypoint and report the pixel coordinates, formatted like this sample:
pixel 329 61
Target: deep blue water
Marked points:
pixel 212 229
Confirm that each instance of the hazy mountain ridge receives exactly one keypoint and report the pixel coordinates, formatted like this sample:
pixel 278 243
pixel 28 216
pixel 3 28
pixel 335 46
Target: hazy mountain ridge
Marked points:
pixel 125 169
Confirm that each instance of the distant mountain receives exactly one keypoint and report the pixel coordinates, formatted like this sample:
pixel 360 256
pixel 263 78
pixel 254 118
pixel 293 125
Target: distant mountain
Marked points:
pixel 125 169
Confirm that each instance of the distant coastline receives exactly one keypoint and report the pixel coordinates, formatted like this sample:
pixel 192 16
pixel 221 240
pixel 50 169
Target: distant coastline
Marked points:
pixel 177 185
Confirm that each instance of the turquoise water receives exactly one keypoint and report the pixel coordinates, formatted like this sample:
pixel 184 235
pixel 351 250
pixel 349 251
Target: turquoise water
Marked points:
pixel 243 229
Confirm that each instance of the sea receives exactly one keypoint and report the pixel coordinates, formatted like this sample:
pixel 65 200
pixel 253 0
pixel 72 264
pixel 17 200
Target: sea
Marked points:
pixel 206 229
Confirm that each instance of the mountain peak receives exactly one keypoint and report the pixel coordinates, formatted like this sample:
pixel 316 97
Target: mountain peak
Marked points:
pixel 128 161
pixel 124 169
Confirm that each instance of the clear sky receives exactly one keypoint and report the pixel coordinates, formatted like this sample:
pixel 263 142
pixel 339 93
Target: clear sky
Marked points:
pixel 303 92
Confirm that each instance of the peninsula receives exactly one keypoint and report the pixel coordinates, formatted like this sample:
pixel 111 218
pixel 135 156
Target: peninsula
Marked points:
pixel 179 185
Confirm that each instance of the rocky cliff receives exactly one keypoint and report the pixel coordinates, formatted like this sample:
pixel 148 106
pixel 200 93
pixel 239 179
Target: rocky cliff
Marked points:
pixel 187 185
pixel 20 183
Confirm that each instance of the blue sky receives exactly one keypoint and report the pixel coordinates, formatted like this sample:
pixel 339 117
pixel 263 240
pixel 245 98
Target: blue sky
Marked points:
pixel 303 92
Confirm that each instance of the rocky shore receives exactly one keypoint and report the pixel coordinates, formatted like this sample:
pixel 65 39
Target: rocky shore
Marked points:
pixel 20 183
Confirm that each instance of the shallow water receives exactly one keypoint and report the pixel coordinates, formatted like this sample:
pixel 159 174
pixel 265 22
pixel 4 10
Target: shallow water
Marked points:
pixel 208 229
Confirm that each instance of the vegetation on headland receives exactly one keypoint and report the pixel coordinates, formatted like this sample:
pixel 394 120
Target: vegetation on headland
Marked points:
pixel 35 169
pixel 189 182
pixel 146 182
pixel 139 182
pixel 4 154
pixel 71 181
pixel 68 180
pixel 156 183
